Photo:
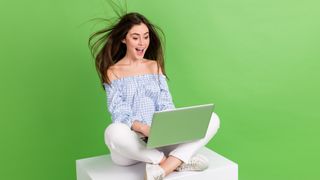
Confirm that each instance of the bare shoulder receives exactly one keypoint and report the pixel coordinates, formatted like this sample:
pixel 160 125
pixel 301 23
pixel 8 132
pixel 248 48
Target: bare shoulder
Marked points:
pixel 153 67
pixel 111 73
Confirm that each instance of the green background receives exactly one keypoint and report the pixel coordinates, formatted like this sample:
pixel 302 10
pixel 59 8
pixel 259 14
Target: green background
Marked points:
pixel 258 61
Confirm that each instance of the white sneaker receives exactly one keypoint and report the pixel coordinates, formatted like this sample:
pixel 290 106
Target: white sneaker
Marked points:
pixel 154 172
pixel 196 163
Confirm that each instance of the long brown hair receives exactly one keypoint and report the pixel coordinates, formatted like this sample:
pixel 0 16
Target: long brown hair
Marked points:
pixel 108 48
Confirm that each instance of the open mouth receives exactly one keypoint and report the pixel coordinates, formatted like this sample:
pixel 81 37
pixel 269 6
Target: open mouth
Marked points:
pixel 140 50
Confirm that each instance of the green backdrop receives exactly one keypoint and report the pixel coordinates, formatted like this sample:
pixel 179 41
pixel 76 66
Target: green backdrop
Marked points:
pixel 258 61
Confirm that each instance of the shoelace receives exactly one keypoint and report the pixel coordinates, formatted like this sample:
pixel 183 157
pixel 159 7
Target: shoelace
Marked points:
pixel 191 165
pixel 158 177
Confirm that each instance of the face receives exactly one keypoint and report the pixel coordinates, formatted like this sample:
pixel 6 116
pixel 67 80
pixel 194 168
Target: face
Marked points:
pixel 137 41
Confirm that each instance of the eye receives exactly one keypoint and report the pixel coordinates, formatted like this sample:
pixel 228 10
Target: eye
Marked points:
pixel 146 37
pixel 135 38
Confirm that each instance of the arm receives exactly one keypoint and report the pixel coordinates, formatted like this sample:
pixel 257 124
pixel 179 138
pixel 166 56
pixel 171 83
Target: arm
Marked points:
pixel 121 112
pixel 165 99
pixel 119 109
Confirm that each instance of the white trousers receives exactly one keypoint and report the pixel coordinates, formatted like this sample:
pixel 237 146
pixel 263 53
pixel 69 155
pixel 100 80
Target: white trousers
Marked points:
pixel 126 147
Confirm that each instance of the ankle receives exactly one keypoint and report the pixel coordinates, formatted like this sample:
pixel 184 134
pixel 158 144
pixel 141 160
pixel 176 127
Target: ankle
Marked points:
pixel 163 160
pixel 170 164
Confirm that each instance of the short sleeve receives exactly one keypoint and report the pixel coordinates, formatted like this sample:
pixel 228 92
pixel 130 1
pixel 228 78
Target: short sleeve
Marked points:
pixel 164 101
pixel 119 109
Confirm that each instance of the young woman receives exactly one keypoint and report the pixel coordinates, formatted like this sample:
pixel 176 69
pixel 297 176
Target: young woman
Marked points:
pixel 130 64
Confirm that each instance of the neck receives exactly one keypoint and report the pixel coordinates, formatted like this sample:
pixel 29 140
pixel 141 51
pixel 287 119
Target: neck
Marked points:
pixel 131 61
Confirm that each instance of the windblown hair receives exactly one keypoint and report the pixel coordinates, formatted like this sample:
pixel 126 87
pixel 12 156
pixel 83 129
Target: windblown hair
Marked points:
pixel 108 48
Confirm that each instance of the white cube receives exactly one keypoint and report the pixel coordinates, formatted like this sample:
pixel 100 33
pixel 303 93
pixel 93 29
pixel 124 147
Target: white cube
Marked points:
pixel 102 168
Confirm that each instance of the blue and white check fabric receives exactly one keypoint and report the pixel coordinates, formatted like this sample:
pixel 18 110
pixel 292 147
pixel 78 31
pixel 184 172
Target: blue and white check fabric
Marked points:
pixel 137 98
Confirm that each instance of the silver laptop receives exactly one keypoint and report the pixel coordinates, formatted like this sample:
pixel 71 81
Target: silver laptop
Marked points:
pixel 179 125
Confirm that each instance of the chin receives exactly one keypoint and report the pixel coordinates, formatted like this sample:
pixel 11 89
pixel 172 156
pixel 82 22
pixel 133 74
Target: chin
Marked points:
pixel 139 57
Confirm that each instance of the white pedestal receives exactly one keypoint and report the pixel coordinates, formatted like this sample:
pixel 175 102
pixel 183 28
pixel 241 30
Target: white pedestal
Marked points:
pixel 102 168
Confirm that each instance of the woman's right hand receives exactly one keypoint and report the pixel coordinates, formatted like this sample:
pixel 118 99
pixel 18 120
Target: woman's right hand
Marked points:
pixel 145 129
pixel 141 128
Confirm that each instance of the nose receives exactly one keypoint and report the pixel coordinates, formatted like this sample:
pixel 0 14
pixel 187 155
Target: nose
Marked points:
pixel 140 41
pixel 143 41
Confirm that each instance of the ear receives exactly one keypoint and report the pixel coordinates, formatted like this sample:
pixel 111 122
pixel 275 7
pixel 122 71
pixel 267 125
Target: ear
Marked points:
pixel 123 41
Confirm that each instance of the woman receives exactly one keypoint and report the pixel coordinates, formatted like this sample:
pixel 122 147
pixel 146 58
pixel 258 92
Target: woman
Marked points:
pixel 130 65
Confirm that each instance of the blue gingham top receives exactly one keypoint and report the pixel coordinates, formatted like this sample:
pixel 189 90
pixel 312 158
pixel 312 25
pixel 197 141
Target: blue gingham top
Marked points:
pixel 137 98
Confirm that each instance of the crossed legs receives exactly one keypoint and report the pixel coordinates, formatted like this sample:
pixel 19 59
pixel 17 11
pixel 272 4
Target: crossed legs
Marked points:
pixel 127 148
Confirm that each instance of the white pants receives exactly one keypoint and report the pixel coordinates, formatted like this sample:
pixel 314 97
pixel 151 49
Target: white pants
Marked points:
pixel 127 148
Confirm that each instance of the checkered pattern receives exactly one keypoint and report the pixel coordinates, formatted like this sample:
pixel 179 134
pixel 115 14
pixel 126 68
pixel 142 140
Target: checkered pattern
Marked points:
pixel 137 98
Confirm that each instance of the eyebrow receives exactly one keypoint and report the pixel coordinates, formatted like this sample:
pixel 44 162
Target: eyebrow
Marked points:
pixel 139 34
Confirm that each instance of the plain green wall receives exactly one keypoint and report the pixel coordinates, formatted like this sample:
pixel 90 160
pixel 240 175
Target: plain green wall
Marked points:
pixel 258 61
